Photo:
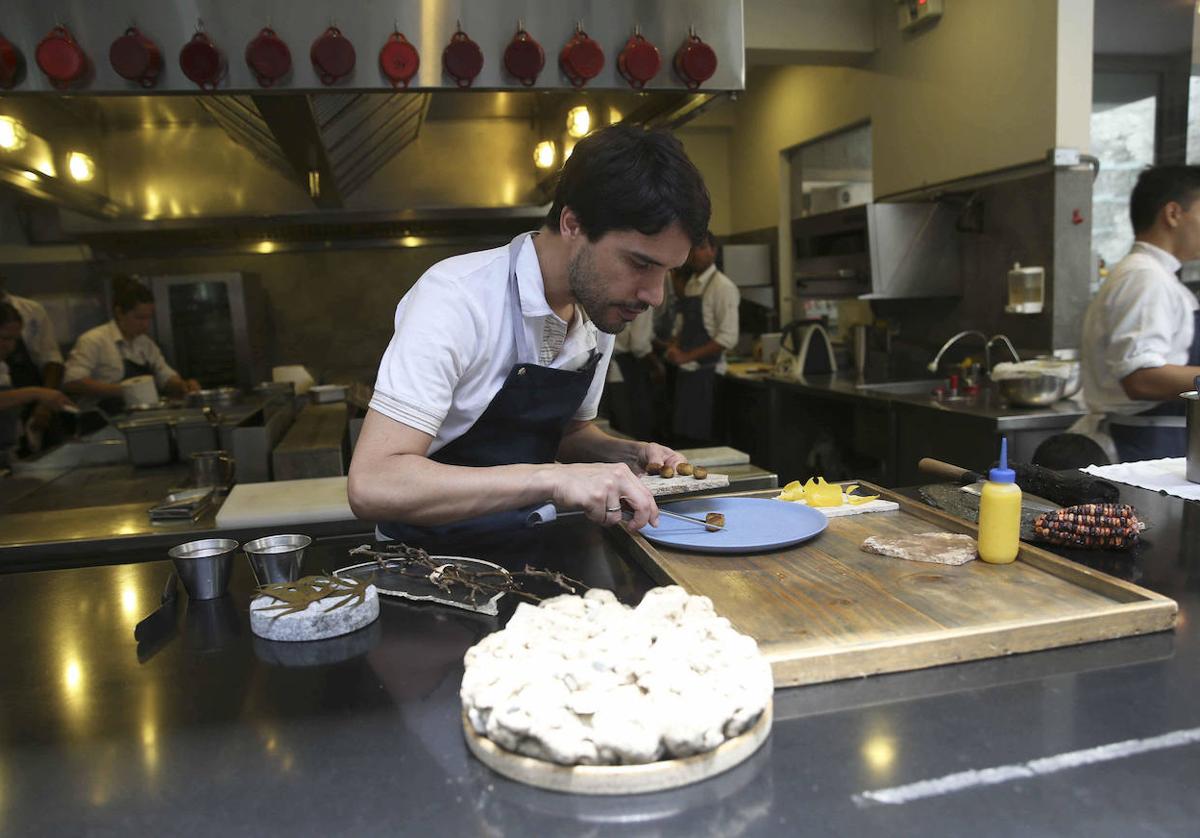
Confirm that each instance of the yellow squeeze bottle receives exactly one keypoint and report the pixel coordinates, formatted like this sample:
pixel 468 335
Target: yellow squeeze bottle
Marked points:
pixel 1000 513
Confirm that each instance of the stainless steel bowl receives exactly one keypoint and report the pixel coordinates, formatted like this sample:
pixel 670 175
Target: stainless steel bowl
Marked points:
pixel 214 397
pixel 204 566
pixel 276 558
pixel 1072 366
pixel 1032 390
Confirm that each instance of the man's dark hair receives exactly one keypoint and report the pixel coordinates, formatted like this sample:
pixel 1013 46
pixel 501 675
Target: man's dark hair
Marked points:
pixel 9 314
pixel 624 177
pixel 128 293
pixel 1158 186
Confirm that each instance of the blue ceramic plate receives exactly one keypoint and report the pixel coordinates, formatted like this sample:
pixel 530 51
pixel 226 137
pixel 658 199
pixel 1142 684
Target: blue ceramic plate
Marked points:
pixel 751 525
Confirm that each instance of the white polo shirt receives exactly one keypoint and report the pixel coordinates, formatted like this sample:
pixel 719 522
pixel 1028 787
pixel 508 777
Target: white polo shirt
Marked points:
pixel 454 343
pixel 36 330
pixel 1141 318
pixel 100 353
pixel 719 309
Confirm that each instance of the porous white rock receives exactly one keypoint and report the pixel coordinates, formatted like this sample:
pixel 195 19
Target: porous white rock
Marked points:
pixel 589 681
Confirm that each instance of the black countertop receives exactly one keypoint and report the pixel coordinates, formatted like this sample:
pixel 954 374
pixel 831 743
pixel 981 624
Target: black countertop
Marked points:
pixel 223 733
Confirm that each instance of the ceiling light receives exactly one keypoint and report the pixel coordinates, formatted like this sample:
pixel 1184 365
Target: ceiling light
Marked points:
pixel 614 115
pixel 12 134
pixel 28 175
pixel 266 246
pixel 544 154
pixel 579 121
pixel 81 167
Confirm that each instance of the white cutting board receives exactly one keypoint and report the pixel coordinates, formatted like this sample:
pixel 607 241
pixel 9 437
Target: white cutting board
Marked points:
pixel 285 502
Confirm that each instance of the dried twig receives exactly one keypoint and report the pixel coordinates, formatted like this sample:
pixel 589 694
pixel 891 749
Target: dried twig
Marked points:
pixel 479 583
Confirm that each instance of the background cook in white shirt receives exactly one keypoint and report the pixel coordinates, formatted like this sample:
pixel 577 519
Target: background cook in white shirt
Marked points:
pixel 1141 347
pixel 12 398
pixel 627 207
pixel 105 356
pixel 720 301
pixel 40 362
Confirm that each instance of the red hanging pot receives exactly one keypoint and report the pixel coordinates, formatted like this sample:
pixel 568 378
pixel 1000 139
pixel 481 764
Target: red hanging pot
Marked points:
pixel 639 61
pixel 61 58
pixel 524 58
pixel 10 64
pixel 136 58
pixel 695 61
pixel 202 62
pixel 399 60
pixel 332 55
pixel 462 58
pixel 581 59
pixel 268 57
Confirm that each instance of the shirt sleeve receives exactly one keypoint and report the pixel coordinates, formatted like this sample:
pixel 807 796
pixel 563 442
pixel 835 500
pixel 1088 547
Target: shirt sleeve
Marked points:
pixel 42 342
pixel 82 360
pixel 725 301
pixel 437 336
pixel 591 402
pixel 163 372
pixel 1141 325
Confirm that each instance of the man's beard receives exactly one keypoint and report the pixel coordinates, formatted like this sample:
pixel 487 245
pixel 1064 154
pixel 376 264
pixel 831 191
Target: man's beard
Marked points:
pixel 587 287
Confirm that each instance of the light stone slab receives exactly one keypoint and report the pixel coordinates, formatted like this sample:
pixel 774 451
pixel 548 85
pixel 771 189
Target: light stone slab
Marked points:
pixel 317 622
pixel 936 547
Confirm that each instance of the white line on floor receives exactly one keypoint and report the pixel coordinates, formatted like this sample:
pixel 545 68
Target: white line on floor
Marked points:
pixel 1034 768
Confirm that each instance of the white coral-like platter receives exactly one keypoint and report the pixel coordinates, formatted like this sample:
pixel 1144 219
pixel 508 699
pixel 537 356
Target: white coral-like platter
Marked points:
pixel 588 695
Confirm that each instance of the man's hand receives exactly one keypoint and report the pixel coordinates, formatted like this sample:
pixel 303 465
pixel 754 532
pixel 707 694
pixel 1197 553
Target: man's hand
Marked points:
pixel 598 489
pixel 651 453
pixel 676 356
pixel 39 418
pixel 50 401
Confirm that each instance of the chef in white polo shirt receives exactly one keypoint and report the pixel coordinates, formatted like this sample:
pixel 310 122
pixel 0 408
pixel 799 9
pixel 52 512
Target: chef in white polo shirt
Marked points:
pixel 105 356
pixel 484 400
pixel 1141 334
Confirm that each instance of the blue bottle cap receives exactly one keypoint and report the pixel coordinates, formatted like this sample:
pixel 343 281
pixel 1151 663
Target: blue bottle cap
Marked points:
pixel 1002 473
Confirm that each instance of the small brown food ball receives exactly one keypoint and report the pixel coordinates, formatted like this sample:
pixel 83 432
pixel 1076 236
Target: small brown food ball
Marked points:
pixel 683 468
pixel 653 468
pixel 699 472
pixel 666 471
pixel 714 521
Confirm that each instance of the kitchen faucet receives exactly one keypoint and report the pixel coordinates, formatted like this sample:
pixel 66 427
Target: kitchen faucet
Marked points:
pixel 1008 343
pixel 987 349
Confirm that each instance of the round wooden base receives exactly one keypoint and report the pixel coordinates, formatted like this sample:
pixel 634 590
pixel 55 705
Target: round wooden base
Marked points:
pixel 619 779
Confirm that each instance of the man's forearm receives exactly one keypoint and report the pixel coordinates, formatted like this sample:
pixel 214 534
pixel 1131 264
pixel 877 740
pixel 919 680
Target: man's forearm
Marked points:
pixel 91 387
pixel 711 349
pixel 1160 384
pixel 424 492
pixel 585 443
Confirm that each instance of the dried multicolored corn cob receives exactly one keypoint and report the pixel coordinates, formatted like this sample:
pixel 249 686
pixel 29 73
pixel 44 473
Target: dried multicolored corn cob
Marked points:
pixel 1093 526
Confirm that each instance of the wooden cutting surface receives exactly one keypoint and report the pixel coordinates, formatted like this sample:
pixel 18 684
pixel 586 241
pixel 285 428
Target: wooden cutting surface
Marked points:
pixel 825 610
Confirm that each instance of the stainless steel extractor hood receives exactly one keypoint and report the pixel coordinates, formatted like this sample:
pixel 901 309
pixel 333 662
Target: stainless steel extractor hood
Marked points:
pixel 358 152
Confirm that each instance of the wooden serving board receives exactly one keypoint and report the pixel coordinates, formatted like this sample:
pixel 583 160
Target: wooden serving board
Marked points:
pixel 825 610
pixel 682 483
pixel 619 779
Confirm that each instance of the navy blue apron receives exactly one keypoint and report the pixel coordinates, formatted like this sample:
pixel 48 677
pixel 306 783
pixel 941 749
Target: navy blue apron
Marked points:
pixel 632 402
pixel 10 428
pixel 1162 430
pixel 21 367
pixel 694 388
pixel 523 423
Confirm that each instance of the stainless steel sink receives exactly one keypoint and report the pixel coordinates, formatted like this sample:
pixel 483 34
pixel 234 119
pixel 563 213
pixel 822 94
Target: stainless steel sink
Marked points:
pixel 923 387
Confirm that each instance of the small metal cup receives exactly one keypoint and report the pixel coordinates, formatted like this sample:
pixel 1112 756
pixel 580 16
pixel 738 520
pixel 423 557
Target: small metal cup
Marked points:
pixel 212 468
pixel 276 558
pixel 204 566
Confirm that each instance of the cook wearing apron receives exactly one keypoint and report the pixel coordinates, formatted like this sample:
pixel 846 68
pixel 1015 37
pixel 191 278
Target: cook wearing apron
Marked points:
pixel 16 396
pixel 523 423
pixel 1141 334
pixel 483 406
pixel 706 326
pixel 35 362
pixel 627 385
pixel 105 356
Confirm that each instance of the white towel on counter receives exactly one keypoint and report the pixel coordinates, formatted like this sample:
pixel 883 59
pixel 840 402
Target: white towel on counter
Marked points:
pixel 1166 475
